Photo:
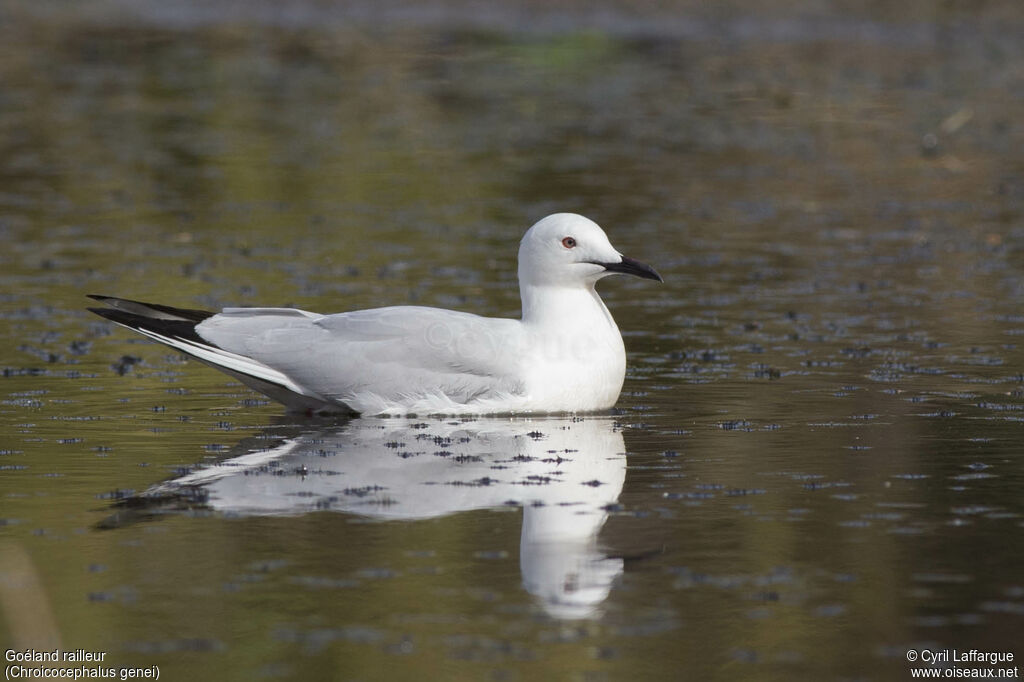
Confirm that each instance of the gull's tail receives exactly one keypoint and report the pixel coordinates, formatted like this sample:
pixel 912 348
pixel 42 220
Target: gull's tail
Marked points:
pixel 176 327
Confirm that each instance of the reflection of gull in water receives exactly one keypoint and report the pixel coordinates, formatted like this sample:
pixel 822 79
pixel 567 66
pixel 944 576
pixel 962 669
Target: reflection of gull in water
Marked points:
pixel 563 472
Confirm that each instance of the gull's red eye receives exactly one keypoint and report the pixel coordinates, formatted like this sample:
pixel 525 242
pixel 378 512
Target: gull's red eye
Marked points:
pixel 568 242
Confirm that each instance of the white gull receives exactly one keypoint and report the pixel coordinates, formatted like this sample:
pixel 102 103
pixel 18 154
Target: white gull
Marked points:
pixel 564 355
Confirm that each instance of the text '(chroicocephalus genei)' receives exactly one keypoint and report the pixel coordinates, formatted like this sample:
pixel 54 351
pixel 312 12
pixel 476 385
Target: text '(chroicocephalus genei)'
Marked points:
pixel 564 355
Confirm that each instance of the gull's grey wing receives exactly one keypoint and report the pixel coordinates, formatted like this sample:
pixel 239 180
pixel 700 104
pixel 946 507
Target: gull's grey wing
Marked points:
pixel 370 359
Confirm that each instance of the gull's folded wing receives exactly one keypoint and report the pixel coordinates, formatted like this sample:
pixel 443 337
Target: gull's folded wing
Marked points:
pixel 371 360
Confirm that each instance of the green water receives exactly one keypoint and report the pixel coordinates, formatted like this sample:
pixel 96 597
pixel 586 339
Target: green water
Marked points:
pixel 817 459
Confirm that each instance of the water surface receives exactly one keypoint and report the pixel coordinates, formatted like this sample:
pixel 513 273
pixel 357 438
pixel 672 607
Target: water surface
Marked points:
pixel 816 461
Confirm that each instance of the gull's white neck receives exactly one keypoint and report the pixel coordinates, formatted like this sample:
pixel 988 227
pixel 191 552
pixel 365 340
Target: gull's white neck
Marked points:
pixel 561 306
pixel 573 350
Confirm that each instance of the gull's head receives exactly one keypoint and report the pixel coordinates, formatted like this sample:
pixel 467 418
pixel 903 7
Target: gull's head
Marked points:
pixel 566 249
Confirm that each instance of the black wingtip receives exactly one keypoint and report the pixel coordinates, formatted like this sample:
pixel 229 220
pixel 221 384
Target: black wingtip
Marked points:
pixel 121 317
pixel 115 316
pixel 145 322
pixel 156 311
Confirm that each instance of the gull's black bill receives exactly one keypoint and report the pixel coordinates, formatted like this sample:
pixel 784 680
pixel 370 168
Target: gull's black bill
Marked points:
pixel 628 266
